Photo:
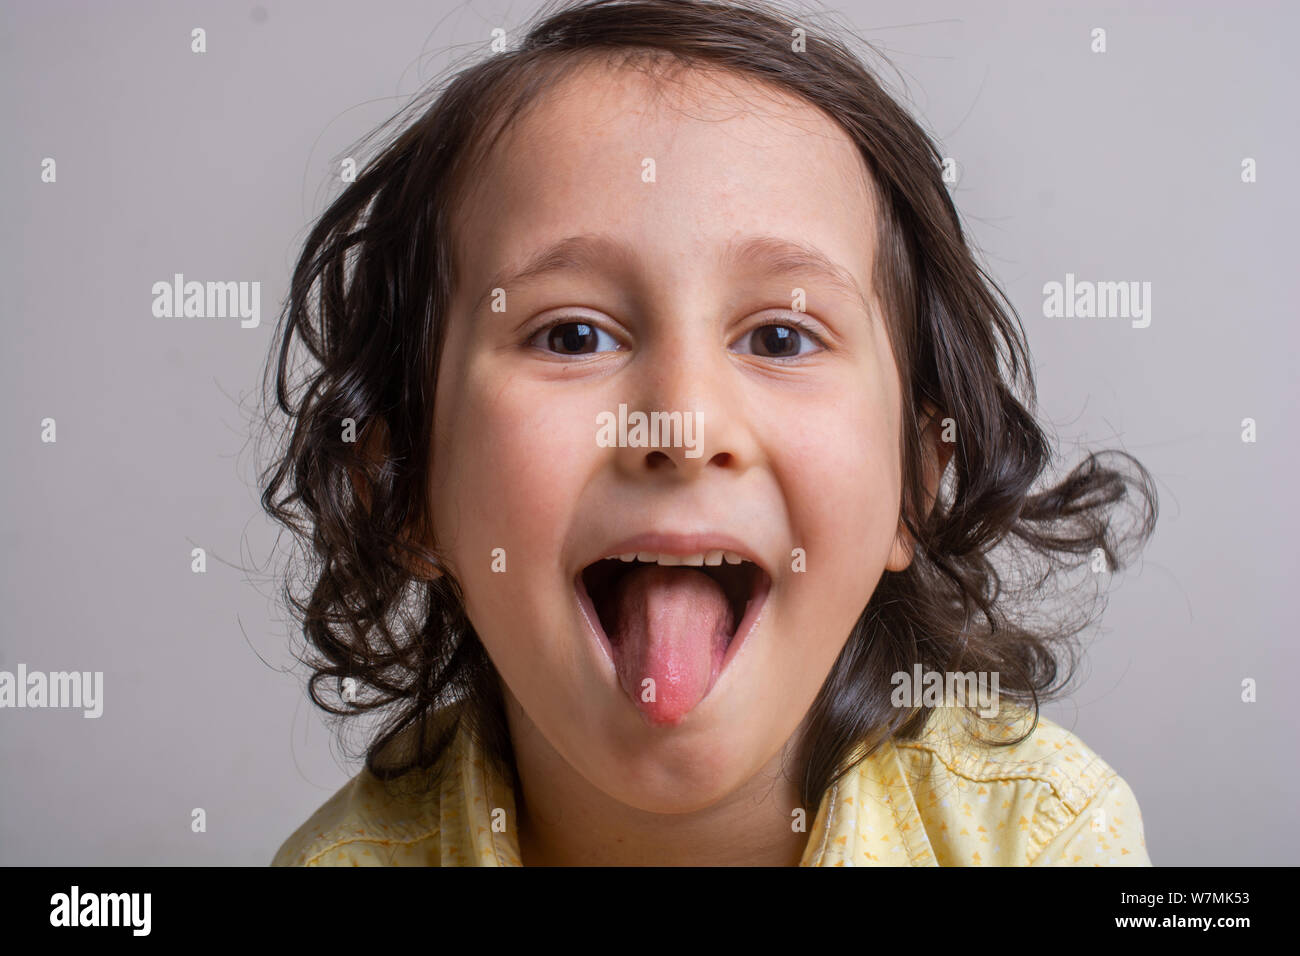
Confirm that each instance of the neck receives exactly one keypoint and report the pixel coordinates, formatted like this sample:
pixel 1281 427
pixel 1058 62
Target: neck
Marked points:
pixel 565 821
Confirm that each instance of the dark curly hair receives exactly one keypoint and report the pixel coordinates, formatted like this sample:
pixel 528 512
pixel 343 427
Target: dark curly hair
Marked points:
pixel 369 301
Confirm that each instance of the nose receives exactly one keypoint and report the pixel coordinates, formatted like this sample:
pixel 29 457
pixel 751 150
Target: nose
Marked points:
pixel 692 416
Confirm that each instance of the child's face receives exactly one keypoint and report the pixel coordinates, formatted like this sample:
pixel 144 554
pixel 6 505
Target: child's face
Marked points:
pixel 794 453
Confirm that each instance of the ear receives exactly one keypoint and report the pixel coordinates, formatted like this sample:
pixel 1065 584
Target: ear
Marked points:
pixel 374 449
pixel 936 454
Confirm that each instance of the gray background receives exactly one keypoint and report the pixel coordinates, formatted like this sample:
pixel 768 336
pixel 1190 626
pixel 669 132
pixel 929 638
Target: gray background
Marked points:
pixel 1118 166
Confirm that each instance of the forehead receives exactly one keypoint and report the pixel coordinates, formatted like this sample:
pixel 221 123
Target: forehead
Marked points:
pixel 681 166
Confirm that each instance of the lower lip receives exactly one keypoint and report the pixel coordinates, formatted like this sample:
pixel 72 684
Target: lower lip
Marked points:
pixel 748 624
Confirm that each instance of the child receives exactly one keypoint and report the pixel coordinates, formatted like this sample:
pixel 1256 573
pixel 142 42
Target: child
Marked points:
pixel 639 360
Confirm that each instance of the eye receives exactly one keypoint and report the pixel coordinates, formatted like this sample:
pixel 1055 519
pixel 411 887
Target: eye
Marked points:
pixel 780 340
pixel 573 338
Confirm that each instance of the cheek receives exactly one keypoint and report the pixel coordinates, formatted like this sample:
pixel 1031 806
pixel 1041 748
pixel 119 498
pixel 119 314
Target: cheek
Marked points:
pixel 512 462
pixel 842 484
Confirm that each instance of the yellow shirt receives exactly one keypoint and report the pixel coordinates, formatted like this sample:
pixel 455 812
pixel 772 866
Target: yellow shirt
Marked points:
pixel 941 800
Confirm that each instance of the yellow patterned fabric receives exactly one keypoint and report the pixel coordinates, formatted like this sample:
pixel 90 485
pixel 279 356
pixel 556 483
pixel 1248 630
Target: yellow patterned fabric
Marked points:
pixel 940 800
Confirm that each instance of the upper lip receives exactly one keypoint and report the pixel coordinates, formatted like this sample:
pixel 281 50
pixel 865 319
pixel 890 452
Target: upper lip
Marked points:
pixel 680 545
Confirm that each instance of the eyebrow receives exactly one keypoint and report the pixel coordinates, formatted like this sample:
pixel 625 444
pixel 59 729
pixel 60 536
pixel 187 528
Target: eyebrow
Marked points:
pixel 771 255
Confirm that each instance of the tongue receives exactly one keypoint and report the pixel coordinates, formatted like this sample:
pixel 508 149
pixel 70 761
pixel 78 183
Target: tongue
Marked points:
pixel 670 634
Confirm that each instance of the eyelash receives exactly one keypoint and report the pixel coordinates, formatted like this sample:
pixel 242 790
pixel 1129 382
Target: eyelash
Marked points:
pixel 804 328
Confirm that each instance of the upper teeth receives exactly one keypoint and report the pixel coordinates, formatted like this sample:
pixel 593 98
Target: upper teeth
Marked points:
pixel 670 560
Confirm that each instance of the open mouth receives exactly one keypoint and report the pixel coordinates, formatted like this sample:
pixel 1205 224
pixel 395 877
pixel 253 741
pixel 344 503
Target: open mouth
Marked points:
pixel 671 624
pixel 739 583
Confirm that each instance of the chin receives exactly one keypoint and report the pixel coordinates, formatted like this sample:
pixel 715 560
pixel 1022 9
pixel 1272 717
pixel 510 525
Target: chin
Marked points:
pixel 681 776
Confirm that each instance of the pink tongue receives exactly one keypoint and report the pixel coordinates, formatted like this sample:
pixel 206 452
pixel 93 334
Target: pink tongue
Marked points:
pixel 671 627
